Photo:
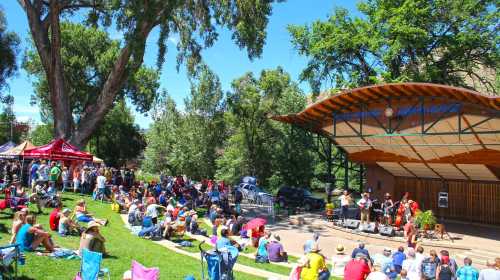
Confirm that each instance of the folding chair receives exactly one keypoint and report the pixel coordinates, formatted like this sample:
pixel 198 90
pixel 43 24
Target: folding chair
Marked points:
pixel 90 268
pixel 140 272
pixel 9 256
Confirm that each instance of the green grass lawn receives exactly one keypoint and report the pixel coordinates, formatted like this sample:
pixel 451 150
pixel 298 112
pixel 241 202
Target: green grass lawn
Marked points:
pixel 122 246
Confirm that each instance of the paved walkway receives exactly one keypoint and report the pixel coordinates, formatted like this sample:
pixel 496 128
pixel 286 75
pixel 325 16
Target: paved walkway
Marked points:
pixel 238 267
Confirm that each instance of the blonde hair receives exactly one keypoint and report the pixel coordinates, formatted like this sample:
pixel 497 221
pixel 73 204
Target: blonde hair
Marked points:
pixel 31 219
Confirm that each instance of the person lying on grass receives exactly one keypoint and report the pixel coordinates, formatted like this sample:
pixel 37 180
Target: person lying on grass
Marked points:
pixel 18 221
pixel 31 235
pixel 92 239
pixel 66 225
pixel 82 215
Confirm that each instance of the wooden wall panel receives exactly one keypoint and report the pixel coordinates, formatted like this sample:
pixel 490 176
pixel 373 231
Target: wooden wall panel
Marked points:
pixel 468 200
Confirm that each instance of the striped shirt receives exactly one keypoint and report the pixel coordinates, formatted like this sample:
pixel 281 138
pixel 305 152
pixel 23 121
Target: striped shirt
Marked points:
pixel 467 273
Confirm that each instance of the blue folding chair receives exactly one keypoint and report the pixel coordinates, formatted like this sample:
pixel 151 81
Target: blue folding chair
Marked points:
pixel 9 256
pixel 91 266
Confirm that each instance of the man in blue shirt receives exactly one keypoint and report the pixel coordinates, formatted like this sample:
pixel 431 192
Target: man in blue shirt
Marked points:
pixel 361 249
pixel 467 272
pixel 398 258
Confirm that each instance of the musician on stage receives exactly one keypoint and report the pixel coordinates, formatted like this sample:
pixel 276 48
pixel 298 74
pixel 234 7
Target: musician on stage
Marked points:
pixel 365 204
pixel 388 206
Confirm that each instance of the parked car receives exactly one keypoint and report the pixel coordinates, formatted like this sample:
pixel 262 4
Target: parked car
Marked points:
pixel 254 194
pixel 298 197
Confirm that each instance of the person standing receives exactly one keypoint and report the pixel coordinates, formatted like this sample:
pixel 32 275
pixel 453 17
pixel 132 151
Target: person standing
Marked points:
pixel 467 272
pixel 76 178
pixel 345 200
pixel 388 206
pixel 444 270
pixel 55 173
pixel 410 233
pixel 365 204
pixel 65 178
pixel 492 272
pixel 34 174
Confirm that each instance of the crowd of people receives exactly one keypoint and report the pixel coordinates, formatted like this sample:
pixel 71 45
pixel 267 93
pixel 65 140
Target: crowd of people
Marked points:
pixel 404 264
pixel 171 207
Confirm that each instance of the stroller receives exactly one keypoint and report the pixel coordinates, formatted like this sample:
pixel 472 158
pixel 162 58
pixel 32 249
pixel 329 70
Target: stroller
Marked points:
pixel 219 263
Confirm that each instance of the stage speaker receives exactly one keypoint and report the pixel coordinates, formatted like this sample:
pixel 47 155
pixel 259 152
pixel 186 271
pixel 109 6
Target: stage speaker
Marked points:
pixel 370 228
pixel 352 224
pixel 387 231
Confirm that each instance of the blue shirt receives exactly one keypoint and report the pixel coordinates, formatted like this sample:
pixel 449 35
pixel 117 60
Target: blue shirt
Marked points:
pixel 262 250
pixel 307 246
pixel 467 272
pixel 222 242
pixel 398 258
pixel 359 250
pixel 24 238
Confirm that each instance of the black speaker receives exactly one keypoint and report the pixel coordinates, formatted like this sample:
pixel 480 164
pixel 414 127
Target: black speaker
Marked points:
pixel 370 228
pixel 352 224
pixel 387 231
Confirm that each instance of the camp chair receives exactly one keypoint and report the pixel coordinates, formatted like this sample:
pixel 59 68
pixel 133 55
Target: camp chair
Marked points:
pixel 90 268
pixel 140 272
pixel 9 256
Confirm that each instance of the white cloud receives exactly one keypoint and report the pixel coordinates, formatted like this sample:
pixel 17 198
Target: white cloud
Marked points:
pixel 23 118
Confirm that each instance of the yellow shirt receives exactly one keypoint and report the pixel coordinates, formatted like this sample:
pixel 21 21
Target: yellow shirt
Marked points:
pixel 316 263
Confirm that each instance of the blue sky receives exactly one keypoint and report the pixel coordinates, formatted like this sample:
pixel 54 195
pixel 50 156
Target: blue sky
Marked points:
pixel 224 58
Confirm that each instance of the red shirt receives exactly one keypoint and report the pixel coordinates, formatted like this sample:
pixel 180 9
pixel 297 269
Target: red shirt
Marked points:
pixel 356 270
pixel 54 219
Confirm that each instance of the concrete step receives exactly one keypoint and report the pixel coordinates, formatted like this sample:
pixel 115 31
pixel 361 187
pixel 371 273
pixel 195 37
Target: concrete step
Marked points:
pixel 475 259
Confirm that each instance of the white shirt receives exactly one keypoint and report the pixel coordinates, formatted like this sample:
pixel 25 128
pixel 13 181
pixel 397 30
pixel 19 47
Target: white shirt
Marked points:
pixel 132 208
pixel 344 200
pixel 338 264
pixel 377 275
pixel 101 182
pixel 365 203
pixel 413 269
pixel 151 210
pixel 489 274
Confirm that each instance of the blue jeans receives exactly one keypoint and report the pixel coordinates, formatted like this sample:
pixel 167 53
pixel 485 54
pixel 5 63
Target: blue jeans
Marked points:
pixel 65 185
pixel 324 275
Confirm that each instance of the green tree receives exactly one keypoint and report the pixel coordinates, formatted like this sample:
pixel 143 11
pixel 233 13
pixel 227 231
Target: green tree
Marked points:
pixel 161 137
pixel 196 22
pixel 446 42
pixel 257 145
pixel 202 126
pixel 118 139
pixel 9 44
pixel 88 55
pixel 42 134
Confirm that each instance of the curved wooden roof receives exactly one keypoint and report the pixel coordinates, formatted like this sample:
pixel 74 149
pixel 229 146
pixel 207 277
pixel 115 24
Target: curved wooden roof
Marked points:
pixel 346 101
pixel 475 156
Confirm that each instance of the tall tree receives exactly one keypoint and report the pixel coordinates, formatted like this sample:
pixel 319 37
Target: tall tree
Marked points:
pixel 195 21
pixel 447 42
pixel 9 46
pixel 162 137
pixel 88 55
pixel 118 139
pixel 257 145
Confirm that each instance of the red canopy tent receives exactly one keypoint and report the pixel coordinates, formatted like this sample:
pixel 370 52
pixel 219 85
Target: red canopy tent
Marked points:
pixel 58 150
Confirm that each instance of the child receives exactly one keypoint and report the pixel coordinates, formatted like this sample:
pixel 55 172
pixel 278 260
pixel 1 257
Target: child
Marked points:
pixel 404 275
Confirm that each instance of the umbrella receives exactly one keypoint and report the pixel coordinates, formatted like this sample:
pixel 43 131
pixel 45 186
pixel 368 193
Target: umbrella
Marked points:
pixel 6 146
pixel 255 223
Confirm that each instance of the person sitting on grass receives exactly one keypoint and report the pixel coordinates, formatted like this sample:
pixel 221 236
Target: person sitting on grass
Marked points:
pixel 92 239
pixel 261 255
pixel 31 235
pixel 275 250
pixel 315 267
pixel 223 241
pixel 54 219
pixel 18 221
pixel 82 215
pixel 66 225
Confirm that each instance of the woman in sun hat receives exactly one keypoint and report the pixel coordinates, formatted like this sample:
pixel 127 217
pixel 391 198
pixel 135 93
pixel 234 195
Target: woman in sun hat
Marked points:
pixel 339 261
pixel 92 239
